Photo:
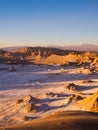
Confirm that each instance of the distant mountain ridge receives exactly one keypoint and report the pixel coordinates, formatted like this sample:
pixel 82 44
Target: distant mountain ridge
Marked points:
pixel 85 47
pixel 82 47
pixel 13 48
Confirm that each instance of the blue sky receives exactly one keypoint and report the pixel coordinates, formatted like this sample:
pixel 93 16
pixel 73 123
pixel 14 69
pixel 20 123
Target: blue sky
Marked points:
pixel 48 22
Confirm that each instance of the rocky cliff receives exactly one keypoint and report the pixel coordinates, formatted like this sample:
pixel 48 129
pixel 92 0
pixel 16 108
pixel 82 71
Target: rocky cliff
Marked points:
pixel 50 56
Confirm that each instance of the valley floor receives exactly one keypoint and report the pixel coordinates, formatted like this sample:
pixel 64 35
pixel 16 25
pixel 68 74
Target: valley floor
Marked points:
pixel 41 82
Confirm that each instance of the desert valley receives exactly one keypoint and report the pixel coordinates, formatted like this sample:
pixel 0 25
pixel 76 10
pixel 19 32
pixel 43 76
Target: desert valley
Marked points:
pixel 41 86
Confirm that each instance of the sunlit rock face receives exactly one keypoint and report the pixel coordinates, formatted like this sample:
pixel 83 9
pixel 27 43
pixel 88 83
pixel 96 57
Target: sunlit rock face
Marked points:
pixel 50 56
pixel 90 103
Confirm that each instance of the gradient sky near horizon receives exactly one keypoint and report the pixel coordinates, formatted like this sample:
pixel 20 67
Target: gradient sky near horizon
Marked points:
pixel 48 22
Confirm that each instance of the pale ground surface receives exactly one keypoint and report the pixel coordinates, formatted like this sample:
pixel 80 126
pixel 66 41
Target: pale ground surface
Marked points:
pixel 37 81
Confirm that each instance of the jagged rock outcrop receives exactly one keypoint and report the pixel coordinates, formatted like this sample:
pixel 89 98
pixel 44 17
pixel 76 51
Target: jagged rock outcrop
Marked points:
pixel 50 56
pixel 43 51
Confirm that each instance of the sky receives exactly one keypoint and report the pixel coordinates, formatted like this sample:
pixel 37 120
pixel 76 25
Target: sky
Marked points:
pixel 48 22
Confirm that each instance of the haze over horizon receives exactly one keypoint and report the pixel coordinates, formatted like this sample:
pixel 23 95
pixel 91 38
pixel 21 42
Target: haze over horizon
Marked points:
pixel 48 22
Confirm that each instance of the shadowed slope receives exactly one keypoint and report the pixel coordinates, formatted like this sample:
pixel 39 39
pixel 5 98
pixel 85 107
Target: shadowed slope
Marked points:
pixel 69 120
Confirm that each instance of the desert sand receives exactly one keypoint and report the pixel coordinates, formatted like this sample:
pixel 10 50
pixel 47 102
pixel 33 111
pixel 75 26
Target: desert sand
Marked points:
pixel 69 120
pixel 39 97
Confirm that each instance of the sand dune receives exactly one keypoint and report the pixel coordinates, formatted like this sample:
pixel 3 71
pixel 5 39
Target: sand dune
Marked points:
pixel 69 120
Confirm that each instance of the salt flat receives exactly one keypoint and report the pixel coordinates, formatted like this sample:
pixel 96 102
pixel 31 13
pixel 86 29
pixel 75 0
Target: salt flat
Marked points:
pixel 40 81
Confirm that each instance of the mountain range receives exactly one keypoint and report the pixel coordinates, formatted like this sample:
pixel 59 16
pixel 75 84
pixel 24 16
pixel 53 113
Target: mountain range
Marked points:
pixel 48 55
pixel 82 47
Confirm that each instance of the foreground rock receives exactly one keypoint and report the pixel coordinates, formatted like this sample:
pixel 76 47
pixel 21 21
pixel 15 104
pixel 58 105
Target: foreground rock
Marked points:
pixel 74 98
pixel 87 81
pixel 71 86
pixel 29 107
pixel 28 103
pixel 18 101
pixel 26 99
pixel 90 103
pixel 29 98
pixel 11 69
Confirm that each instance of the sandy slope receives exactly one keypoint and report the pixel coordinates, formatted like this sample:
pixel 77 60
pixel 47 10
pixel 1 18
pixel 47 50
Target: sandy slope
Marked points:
pixel 37 81
pixel 68 120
